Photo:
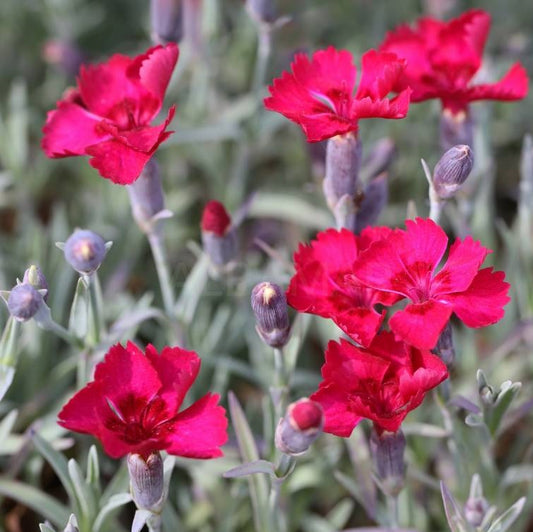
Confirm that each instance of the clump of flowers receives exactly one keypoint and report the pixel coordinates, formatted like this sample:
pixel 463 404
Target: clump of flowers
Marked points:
pixel 344 277
pixel 108 116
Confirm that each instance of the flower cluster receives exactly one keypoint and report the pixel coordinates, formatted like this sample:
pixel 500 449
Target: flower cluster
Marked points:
pixel 347 278
pixel 443 57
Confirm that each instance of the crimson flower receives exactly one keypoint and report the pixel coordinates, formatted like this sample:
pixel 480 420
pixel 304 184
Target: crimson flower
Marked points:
pixel 404 263
pixel 382 383
pixel 132 405
pixel 318 94
pixel 108 115
pixel 443 57
pixel 324 283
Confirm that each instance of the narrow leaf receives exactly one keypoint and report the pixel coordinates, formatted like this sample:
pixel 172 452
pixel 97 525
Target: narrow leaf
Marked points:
pixel 40 502
pixel 114 502
pixel 259 466
pixel 141 516
pixel 504 522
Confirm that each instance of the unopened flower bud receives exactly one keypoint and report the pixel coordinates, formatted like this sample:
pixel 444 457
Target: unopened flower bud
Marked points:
pixel 387 449
pixel 452 170
pixel 445 349
pixel 262 11
pixel 343 159
pixel 300 427
pixel 475 510
pixel 146 195
pixel 85 251
pixel 34 276
pixel 167 20
pixel 269 305
pixel 218 235
pixel 24 301
pixel 146 477
pixel 456 128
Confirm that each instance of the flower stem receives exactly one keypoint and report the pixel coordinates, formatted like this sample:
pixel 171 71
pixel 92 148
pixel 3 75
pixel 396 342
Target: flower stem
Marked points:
pixel 161 263
pixel 281 383
pixel 264 47
pixel 392 506
pixel 96 322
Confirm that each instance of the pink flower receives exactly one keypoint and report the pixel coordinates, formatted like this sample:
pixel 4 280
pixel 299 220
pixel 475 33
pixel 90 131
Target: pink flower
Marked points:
pixel 404 263
pixel 318 94
pixel 382 383
pixel 132 406
pixel 108 116
pixel 443 57
pixel 324 283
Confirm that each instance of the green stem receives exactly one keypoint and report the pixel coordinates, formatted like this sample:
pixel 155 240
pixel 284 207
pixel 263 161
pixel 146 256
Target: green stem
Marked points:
pixel 8 342
pixel 161 263
pixel 264 47
pixel 96 322
pixel 278 515
pixel 281 383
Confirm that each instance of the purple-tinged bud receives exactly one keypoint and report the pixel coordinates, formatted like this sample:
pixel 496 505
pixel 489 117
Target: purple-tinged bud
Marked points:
pixel 34 276
pixel 445 349
pixel 218 234
pixel 476 506
pixel 167 21
pixel 387 450
pixel 146 196
pixel 72 525
pixel 262 11
pixel 456 128
pixel 146 480
pixel 269 305
pixel 300 427
pixel 24 302
pixel 85 251
pixel 475 510
pixel 343 159
pixel 64 55
pixel 452 170
pixel 374 199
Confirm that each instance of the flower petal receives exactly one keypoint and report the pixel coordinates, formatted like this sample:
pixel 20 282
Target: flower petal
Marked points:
pixel 177 370
pixel 156 67
pixel 421 324
pixel 338 418
pixel 482 303
pixel 462 266
pixel 122 159
pixel 70 129
pixel 513 86
pixel 380 72
pixel 199 431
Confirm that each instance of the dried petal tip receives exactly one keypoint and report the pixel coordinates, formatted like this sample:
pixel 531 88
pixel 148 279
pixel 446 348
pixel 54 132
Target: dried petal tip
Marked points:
pixel 452 170
pixel 270 309
pixel 300 427
pixel 387 449
pixel 215 218
pixel 167 20
pixel 85 251
pixel 24 301
pixel 34 276
pixel 146 478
